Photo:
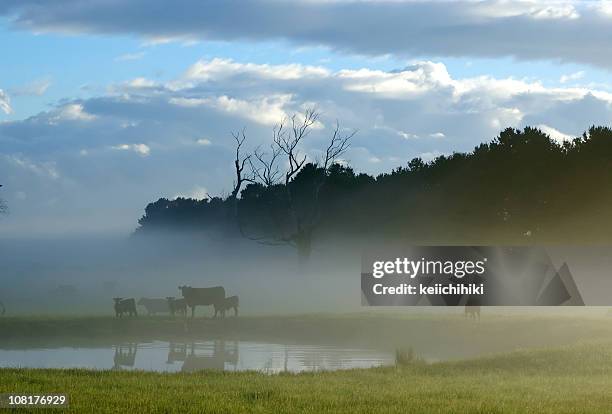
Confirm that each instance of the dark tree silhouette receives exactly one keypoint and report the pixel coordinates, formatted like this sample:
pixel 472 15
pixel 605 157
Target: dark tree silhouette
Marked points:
pixel 294 208
pixel 520 188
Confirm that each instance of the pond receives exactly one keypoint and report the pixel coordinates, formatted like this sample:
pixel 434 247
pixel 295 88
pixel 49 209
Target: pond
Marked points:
pixel 195 356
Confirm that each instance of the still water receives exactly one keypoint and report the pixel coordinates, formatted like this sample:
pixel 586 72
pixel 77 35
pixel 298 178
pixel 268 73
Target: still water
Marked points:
pixel 195 356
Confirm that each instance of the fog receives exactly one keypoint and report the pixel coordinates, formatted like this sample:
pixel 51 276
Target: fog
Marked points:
pixel 82 275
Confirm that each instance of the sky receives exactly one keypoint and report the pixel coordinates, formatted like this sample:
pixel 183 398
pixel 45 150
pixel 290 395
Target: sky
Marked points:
pixel 107 105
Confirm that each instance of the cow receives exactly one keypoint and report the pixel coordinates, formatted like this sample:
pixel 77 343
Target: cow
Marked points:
pixel 2 309
pixel 472 307
pixel 472 312
pixel 177 306
pixel 227 304
pixel 125 306
pixel 154 305
pixel 202 296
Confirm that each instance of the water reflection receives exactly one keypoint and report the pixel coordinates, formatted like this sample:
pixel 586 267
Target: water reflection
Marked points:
pixel 125 356
pixel 191 356
pixel 197 357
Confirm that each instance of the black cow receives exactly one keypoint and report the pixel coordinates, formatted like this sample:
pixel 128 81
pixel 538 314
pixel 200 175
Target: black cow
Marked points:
pixel 154 305
pixel 227 304
pixel 202 296
pixel 177 306
pixel 125 306
pixel 2 309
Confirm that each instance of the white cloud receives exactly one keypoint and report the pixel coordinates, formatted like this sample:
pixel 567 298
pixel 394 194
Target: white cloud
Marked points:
pixel 555 134
pixel 5 103
pixel 536 9
pixel 556 12
pixel 130 56
pixel 572 77
pixel 140 149
pixel 217 69
pixel 430 155
pixel 406 135
pixel 203 141
pixel 604 7
pixel 71 112
pixel 37 87
pixel 266 110
pixel 140 83
pixel 197 193
pixel 43 169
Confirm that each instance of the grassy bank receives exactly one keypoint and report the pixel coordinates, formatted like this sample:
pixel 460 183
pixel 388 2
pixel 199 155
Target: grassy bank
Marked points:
pixel 572 379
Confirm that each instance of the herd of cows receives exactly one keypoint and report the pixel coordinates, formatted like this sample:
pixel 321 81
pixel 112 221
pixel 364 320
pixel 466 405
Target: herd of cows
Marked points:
pixel 192 297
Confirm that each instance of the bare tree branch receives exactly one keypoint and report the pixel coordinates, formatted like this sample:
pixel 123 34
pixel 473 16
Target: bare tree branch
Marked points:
pixel 288 141
pixel 337 146
pixel 239 163
pixel 267 171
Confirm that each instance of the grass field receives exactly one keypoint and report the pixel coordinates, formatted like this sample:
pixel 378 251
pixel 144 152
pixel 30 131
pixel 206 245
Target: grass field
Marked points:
pixel 576 379
pixel 567 368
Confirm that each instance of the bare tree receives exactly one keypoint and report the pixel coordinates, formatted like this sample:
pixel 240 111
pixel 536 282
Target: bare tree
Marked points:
pixel 239 164
pixel 297 227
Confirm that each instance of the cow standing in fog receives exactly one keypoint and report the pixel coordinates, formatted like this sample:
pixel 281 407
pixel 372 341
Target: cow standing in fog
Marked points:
pixel 125 306
pixel 472 312
pixel 472 307
pixel 202 296
pixel 177 306
pixel 2 309
pixel 227 304
pixel 154 305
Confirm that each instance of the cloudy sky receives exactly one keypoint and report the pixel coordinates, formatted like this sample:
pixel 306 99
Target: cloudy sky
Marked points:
pixel 106 105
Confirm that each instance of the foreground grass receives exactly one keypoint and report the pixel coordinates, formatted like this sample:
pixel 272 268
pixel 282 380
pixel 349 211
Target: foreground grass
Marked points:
pixel 574 379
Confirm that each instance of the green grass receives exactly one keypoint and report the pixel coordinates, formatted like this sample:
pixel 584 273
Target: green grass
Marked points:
pixel 565 366
pixel 574 379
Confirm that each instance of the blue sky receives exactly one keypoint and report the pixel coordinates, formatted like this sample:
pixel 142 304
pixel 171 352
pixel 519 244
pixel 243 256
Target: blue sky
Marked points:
pixel 106 106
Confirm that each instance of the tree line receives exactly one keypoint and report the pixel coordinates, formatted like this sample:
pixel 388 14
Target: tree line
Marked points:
pixel 522 187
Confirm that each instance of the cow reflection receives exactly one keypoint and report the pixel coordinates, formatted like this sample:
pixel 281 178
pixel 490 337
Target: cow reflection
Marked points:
pixel 125 356
pixel 202 358
pixel 176 352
